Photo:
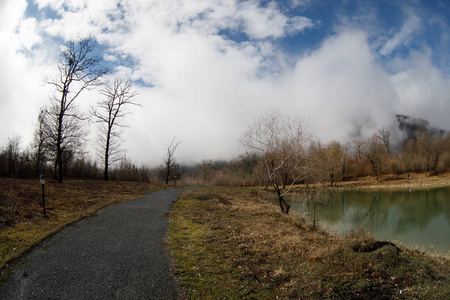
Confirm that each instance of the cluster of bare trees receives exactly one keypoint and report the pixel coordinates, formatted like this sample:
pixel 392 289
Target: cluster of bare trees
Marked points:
pixel 60 133
pixel 424 153
pixel 30 162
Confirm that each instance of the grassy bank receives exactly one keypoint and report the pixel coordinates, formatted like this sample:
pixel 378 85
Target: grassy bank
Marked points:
pixel 228 243
pixel 22 224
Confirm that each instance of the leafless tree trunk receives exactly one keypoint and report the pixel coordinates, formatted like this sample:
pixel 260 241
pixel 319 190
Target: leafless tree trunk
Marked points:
pixel 169 169
pixel 78 69
pixel 40 143
pixel 280 140
pixel 110 113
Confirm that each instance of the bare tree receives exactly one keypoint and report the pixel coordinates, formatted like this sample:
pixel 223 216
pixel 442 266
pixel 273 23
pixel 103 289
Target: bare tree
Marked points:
pixel 280 140
pixel 12 155
pixel 260 177
pixel 169 169
pixel 374 152
pixel 70 134
pixel 79 69
pixel 248 162
pixel 384 134
pixel 335 155
pixel 408 155
pixel 205 169
pixel 316 154
pixel 110 113
pixel 40 143
pixel 430 150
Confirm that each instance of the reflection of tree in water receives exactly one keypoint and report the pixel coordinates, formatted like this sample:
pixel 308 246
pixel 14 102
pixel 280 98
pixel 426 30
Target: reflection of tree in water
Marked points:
pixel 332 210
pixel 417 209
pixel 361 209
pixel 374 217
pixel 316 199
pixel 326 209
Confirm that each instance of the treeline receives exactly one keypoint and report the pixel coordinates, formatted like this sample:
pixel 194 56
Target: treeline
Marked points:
pixel 28 163
pixel 333 162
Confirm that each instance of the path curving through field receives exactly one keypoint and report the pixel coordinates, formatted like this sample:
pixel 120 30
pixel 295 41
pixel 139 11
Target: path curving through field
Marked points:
pixel 118 254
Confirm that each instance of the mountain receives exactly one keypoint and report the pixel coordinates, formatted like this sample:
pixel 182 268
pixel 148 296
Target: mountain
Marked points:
pixel 412 127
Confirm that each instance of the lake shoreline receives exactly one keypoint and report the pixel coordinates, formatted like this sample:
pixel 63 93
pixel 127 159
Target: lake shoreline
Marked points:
pixel 393 182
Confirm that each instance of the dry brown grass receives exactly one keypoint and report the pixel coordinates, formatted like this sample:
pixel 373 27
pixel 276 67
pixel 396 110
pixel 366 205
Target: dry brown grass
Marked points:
pixel 227 243
pixel 22 224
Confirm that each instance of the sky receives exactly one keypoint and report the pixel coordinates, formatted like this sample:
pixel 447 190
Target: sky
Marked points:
pixel 206 69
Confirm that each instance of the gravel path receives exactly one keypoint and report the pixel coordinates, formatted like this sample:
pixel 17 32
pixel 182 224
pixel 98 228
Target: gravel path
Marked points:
pixel 117 254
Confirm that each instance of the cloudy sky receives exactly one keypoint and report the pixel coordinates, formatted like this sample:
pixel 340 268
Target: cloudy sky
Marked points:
pixel 205 69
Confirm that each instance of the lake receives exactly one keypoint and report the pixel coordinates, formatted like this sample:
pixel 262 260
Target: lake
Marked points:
pixel 419 219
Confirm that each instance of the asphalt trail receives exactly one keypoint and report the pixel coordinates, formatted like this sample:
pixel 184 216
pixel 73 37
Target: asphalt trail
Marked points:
pixel 117 254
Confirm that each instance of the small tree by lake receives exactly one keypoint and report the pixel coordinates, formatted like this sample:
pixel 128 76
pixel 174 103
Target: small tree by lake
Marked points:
pixel 280 141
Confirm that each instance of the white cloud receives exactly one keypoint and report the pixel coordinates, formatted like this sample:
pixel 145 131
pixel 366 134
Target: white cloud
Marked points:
pixel 21 71
pixel 261 22
pixel 297 24
pixel 423 90
pixel 404 36
pixel 340 86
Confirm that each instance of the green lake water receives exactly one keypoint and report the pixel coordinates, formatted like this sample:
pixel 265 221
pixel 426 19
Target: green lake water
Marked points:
pixel 419 219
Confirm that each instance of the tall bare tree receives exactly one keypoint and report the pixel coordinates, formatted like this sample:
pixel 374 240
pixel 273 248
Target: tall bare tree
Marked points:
pixel 281 141
pixel 71 137
pixel 79 69
pixel 110 113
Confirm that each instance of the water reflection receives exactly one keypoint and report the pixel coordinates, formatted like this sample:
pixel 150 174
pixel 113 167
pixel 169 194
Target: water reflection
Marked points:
pixel 415 218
